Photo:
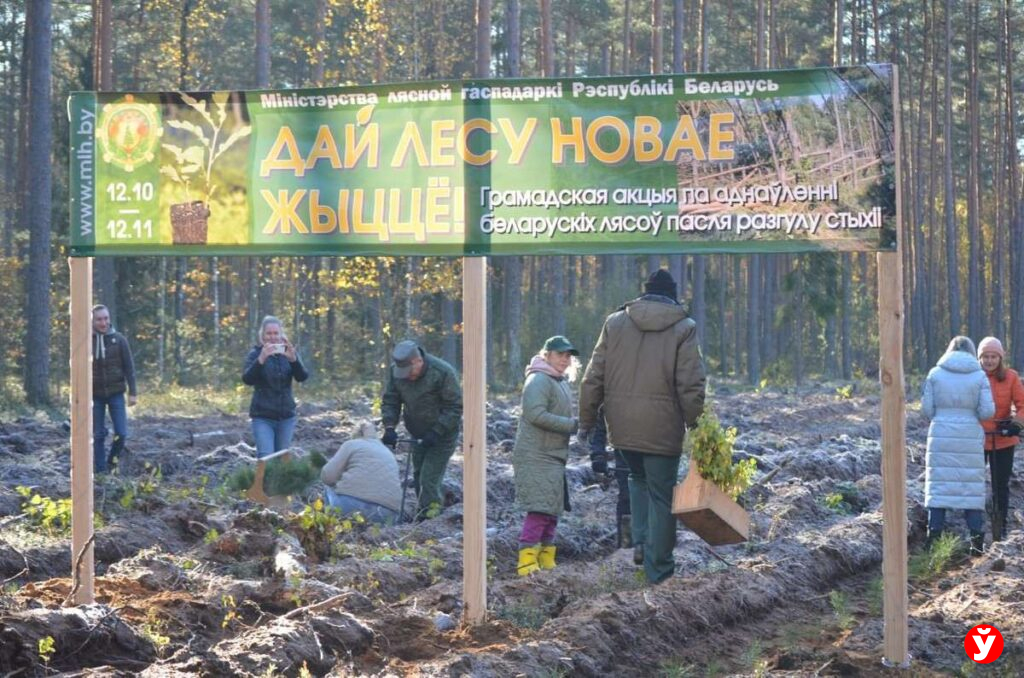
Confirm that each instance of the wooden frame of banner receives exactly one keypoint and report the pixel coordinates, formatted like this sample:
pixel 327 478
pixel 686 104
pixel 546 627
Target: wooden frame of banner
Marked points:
pixel 474 578
pixel 894 425
pixel 82 558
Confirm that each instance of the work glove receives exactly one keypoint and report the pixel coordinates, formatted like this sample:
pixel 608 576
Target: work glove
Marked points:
pixel 429 439
pixel 575 426
pixel 390 437
pixel 1008 428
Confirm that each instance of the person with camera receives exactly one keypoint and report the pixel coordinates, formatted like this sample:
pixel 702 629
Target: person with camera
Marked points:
pixel 542 450
pixel 270 367
pixel 956 399
pixel 113 373
pixel 1002 430
pixel 423 391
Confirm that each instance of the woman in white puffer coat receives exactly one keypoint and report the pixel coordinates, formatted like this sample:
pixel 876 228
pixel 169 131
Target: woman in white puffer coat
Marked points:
pixel 957 398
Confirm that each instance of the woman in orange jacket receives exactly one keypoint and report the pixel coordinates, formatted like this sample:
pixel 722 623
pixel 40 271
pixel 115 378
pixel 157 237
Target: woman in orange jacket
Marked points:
pixel 1001 431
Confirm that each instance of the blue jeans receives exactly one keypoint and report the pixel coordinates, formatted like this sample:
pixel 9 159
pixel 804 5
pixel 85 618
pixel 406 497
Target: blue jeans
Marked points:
pixel 937 519
pixel 119 418
pixel 348 505
pixel 272 435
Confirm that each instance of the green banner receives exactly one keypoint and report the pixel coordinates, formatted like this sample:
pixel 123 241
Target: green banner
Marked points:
pixel 764 161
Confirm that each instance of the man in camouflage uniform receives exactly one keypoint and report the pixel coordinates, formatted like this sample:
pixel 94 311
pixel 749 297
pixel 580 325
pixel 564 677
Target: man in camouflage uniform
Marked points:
pixel 424 392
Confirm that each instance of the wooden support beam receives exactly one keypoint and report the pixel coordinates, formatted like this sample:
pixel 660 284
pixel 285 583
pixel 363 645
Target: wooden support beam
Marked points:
pixel 894 427
pixel 474 439
pixel 81 431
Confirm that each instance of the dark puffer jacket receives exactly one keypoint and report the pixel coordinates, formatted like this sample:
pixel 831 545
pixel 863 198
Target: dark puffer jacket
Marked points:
pixel 272 381
pixel 112 368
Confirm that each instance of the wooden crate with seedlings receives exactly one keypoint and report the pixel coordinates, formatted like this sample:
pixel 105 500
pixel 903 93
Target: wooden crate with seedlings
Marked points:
pixel 708 511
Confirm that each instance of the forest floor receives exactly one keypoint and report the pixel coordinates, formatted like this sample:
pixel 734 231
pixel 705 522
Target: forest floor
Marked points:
pixel 195 580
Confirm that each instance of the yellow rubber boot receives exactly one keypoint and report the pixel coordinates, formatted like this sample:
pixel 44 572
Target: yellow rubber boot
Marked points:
pixel 528 560
pixel 546 559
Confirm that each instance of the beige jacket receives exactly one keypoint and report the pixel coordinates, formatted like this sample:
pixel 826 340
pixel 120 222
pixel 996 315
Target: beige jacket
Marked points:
pixel 648 372
pixel 365 469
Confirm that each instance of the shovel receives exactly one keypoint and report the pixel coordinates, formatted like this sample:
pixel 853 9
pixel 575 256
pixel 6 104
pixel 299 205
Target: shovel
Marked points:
pixel 405 473
pixel 256 493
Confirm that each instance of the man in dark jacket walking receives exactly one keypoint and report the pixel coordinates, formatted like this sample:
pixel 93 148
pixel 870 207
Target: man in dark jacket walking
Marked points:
pixel 427 390
pixel 599 457
pixel 648 372
pixel 113 373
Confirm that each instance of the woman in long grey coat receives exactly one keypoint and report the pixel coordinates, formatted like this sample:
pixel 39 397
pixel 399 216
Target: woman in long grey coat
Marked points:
pixel 542 449
pixel 957 398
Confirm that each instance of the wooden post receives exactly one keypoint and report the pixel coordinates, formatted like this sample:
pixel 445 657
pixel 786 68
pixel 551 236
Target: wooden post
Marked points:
pixel 894 425
pixel 474 439
pixel 81 430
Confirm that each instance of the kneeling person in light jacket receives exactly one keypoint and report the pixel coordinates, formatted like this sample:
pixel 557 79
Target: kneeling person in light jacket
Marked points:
pixel 363 477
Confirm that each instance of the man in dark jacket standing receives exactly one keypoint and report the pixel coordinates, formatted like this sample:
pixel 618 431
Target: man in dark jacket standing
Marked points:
pixel 113 372
pixel 648 372
pixel 427 389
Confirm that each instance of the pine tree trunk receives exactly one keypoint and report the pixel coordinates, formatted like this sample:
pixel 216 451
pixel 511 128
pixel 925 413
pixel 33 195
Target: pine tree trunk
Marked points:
pixel 514 38
pixel 332 302
pixel 700 307
pixel 161 353
pixel 262 44
pixel 739 336
pixel 37 210
pixel 656 37
pixel 723 342
pixel 179 315
pixel 412 299
pixel 798 343
pixel 702 18
pixel 678 31
pixel 845 274
pixel 627 27
pixel 102 75
pixel 11 134
pixel 754 319
pixel 770 281
pixel 449 346
pixel 976 272
pixel 21 194
pixel 676 267
pixel 265 285
pixel 920 301
pixel 934 317
pixel 998 258
pixel 319 55
pixel 513 273
pixel 215 289
pixel 1015 206
pixel 949 196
